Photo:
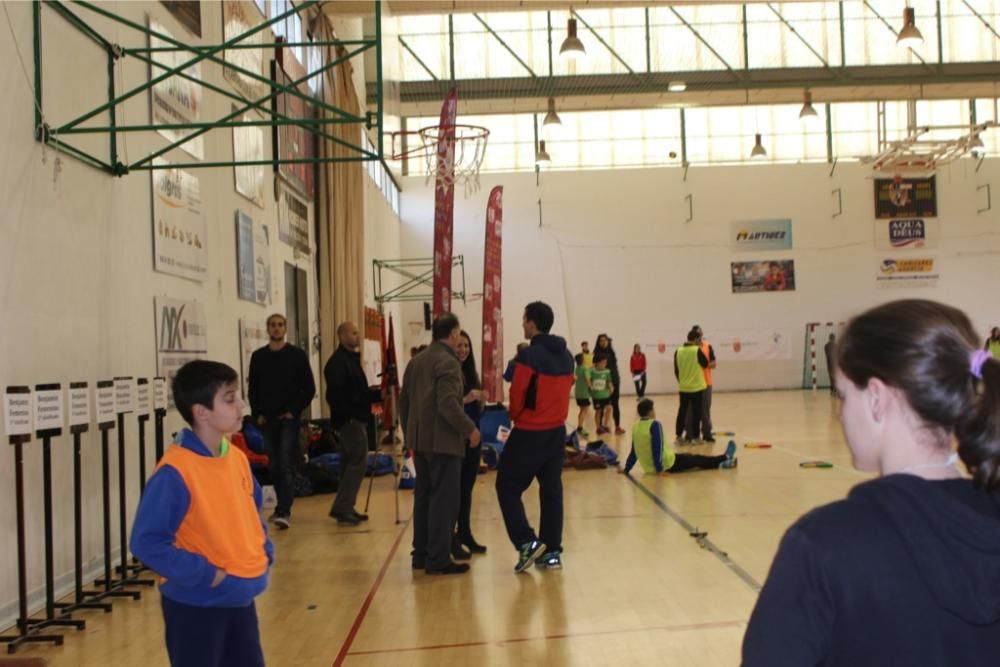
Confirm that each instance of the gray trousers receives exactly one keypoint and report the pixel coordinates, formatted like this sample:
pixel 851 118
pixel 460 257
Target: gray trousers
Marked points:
pixel 435 507
pixel 353 461
pixel 706 415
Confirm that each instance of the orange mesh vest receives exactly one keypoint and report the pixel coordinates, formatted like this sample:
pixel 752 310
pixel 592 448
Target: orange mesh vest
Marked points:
pixel 708 371
pixel 221 523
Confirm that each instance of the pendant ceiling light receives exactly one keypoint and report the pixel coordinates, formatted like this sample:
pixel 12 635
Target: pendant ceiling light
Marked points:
pixel 909 37
pixel 572 47
pixel 758 148
pixel 808 113
pixel 977 147
pixel 551 118
pixel 542 158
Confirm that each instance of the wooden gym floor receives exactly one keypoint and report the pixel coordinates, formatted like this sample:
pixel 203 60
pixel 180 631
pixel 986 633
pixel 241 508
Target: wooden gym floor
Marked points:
pixel 635 589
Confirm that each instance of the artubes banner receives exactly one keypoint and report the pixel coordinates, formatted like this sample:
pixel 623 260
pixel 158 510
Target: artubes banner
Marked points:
pixel 444 205
pixel 492 314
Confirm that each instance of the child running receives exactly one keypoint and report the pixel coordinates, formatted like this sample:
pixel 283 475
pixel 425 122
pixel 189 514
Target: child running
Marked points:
pixel 650 450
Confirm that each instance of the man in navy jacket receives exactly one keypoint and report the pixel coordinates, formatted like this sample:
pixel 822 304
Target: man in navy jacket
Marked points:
pixel 539 403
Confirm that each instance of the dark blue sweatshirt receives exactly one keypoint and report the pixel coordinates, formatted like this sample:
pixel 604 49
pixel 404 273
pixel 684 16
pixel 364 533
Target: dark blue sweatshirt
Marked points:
pixel 904 571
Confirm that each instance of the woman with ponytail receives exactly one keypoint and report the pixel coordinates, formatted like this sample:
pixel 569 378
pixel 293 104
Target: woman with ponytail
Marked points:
pixel 906 569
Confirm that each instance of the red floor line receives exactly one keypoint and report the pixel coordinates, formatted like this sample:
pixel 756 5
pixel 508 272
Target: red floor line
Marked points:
pixel 564 635
pixel 359 619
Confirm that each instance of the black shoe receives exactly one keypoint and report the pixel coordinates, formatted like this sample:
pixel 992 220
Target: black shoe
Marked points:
pixel 471 544
pixel 710 441
pixel 450 568
pixel 344 519
pixel 359 516
pixel 458 552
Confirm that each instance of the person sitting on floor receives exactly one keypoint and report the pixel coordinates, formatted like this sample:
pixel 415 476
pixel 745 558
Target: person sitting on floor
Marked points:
pixel 650 450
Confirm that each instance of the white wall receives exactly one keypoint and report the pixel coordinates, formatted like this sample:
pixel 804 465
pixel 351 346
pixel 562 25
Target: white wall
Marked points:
pixel 614 254
pixel 77 275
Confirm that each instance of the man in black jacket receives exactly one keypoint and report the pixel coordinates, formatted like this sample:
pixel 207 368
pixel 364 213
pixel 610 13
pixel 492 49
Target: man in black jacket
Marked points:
pixel 350 402
pixel 280 387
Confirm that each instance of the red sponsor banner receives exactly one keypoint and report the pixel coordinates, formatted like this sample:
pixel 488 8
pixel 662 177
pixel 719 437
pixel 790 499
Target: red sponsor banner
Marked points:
pixel 492 313
pixel 444 205
pixel 390 378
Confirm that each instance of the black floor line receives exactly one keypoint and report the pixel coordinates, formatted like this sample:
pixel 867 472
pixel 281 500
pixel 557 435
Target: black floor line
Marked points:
pixel 701 538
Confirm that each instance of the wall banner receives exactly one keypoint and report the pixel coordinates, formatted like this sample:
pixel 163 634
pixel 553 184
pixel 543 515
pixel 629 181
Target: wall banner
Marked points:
pixel 492 349
pixel 253 259
pixel 444 206
pixel 253 335
pixel 181 335
pixel 756 235
pixel 897 272
pixel 906 234
pixel 174 100
pixel 776 275
pixel 179 228
pixel 293 220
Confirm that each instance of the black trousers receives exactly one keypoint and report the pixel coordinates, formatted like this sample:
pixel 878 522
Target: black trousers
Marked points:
pixel 696 461
pixel 530 455
pixel 211 636
pixel 616 411
pixel 435 507
pixel 470 470
pixel 689 401
pixel 281 440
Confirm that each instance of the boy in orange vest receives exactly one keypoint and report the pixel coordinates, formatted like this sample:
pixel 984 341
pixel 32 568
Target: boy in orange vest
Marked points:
pixel 198 526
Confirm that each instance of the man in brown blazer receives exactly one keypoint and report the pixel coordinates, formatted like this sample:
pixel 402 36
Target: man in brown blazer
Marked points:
pixel 436 428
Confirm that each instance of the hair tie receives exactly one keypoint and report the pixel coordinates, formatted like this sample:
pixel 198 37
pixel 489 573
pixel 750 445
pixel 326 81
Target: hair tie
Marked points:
pixel 976 361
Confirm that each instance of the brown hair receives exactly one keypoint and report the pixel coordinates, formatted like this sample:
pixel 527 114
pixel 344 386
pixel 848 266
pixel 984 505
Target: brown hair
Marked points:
pixel 923 348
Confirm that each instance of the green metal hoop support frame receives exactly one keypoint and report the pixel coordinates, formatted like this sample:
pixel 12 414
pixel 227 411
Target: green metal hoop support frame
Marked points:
pixel 318 126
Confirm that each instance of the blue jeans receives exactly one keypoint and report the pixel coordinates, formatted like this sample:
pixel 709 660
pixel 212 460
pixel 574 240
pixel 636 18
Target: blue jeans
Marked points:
pixel 281 439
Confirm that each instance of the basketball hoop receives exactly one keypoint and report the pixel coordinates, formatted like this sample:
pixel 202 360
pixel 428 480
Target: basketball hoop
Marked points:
pixel 468 148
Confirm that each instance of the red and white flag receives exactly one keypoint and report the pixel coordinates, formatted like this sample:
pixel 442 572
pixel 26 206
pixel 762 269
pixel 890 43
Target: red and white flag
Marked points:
pixel 492 308
pixel 444 205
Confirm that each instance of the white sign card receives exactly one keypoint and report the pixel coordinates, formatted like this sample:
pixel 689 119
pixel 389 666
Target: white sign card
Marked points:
pixel 79 404
pixel 105 402
pixel 159 393
pixel 142 399
pixel 123 394
pixel 17 411
pixel 48 407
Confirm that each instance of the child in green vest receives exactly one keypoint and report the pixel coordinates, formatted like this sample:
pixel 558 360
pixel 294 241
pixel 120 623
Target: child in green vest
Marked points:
pixel 650 450
pixel 601 389
pixel 581 392
pixel 993 343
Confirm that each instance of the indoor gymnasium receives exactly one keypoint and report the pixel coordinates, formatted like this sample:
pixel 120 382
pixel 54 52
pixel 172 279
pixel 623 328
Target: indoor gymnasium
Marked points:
pixel 485 332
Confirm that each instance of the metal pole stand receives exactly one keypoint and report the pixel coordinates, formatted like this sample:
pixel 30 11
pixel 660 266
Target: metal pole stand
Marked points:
pixel 64 618
pixel 27 631
pixel 110 584
pixel 124 569
pixel 80 597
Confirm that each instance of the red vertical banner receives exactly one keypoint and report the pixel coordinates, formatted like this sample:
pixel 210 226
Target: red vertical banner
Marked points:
pixel 492 313
pixel 444 205
pixel 390 377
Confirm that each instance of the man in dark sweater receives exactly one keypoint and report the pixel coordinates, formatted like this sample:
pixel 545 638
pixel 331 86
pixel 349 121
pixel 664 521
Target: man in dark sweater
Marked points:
pixel 281 386
pixel 350 402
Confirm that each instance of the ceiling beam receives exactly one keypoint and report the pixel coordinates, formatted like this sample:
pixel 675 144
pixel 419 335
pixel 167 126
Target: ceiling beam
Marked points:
pixel 357 8
pixel 704 88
